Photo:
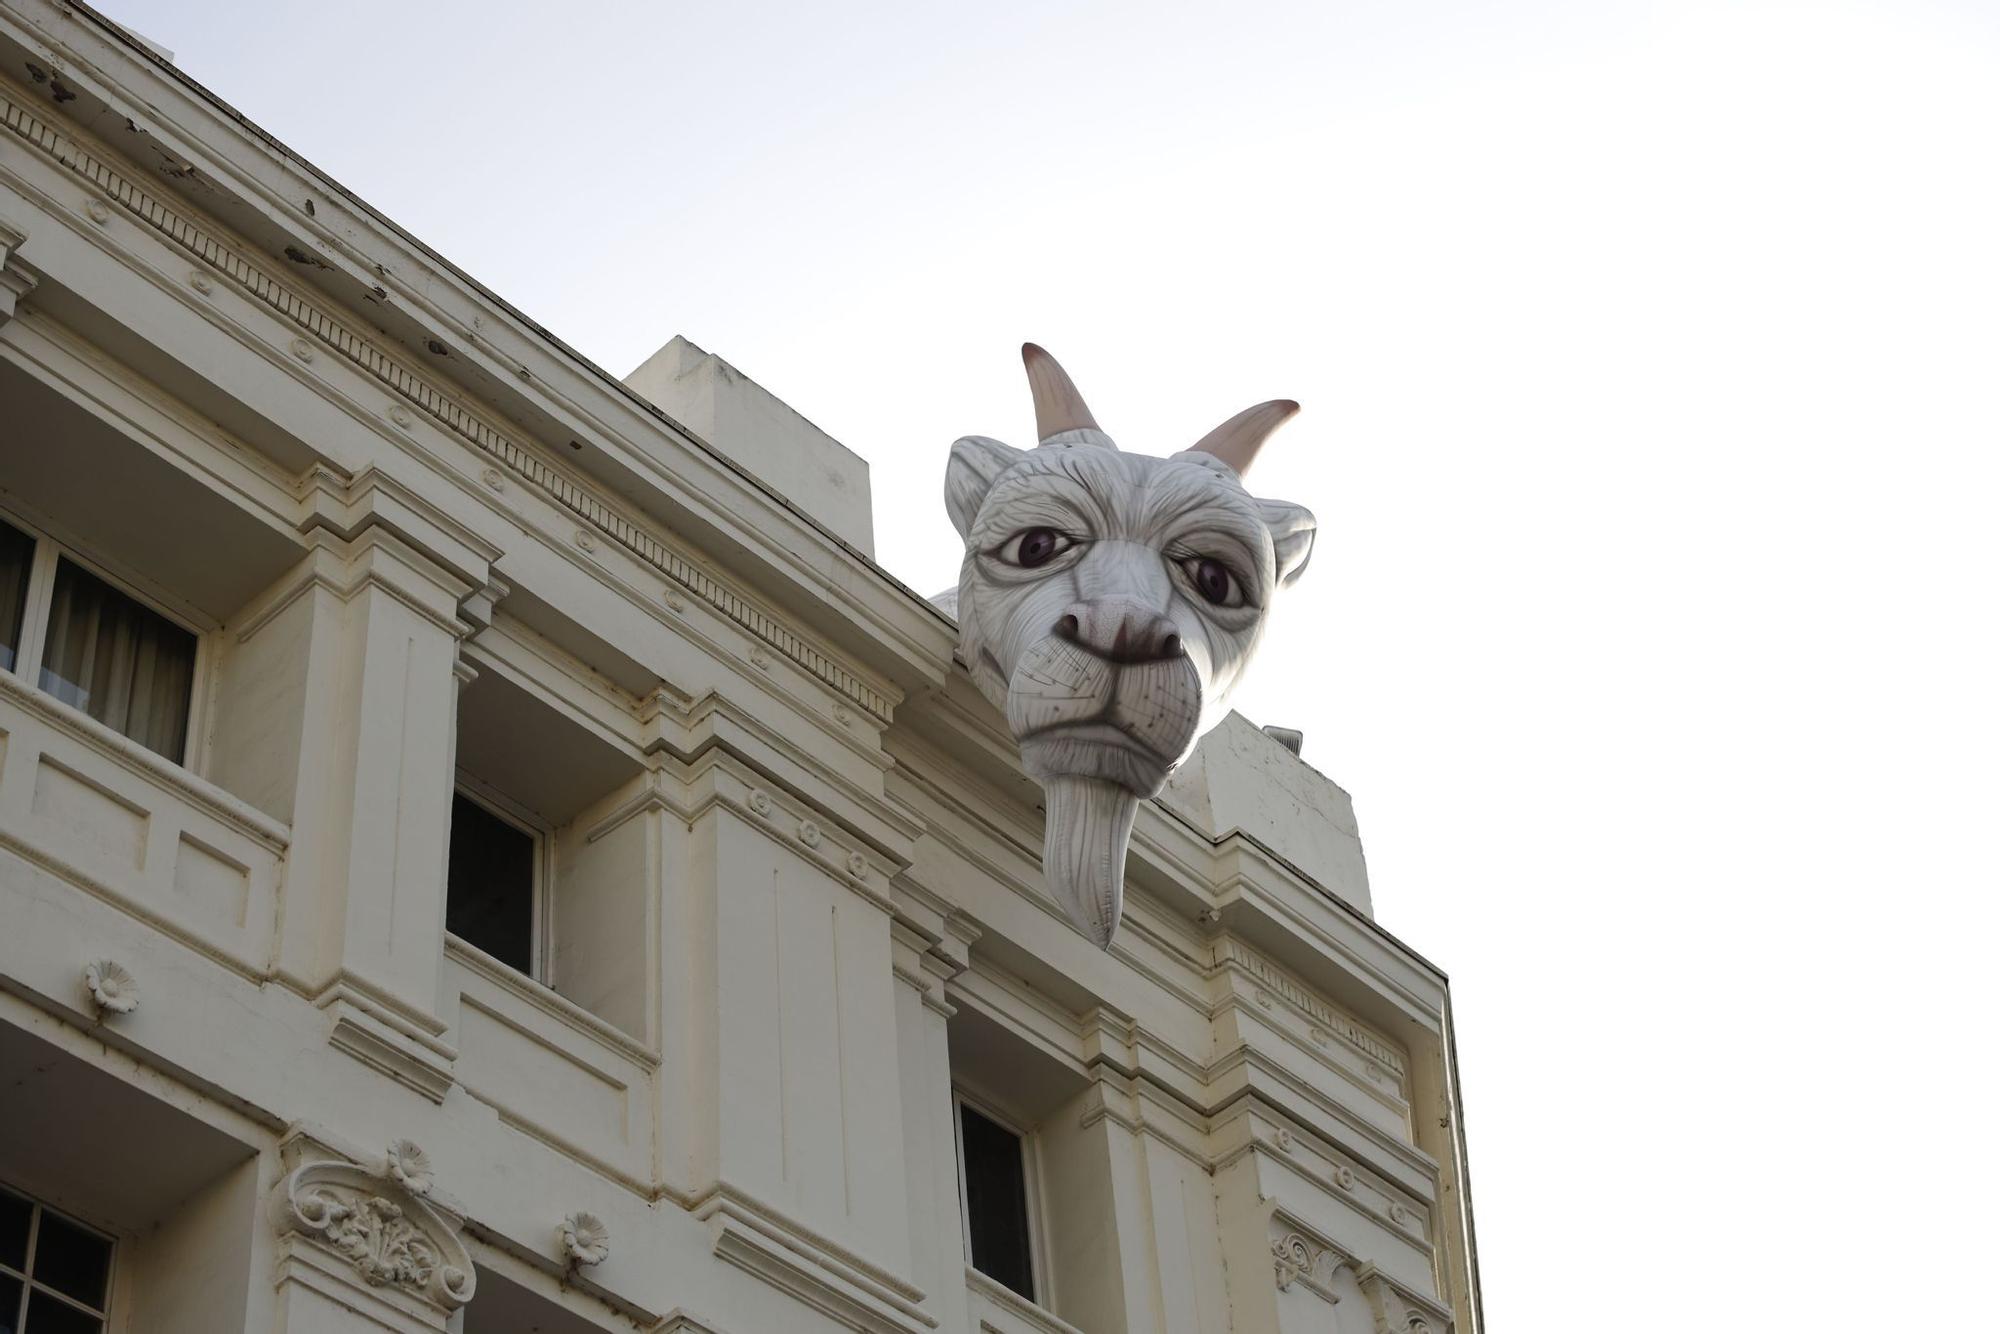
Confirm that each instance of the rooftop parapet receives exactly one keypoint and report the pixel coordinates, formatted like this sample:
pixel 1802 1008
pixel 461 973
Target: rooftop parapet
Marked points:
pixel 760 433
pixel 1241 779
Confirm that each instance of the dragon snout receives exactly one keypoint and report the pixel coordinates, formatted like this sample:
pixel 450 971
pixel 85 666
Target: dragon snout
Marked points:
pixel 1119 630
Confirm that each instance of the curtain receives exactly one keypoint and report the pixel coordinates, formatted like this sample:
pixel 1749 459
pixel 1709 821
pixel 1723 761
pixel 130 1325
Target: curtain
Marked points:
pixel 123 664
pixel 17 552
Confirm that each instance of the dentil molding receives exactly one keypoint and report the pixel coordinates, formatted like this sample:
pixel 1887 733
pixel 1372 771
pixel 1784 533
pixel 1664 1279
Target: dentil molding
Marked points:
pixel 416 394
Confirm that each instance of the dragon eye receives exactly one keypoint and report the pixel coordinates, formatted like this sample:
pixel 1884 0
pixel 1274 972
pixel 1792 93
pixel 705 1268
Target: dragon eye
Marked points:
pixel 1211 579
pixel 1034 546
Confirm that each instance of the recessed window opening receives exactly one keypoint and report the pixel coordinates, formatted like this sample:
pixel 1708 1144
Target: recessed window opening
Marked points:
pixel 493 883
pixel 93 645
pixel 994 1187
pixel 55 1273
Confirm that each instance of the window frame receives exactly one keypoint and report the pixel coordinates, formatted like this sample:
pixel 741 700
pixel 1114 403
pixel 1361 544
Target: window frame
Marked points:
pixel 30 1286
pixel 542 872
pixel 50 550
pixel 963 1096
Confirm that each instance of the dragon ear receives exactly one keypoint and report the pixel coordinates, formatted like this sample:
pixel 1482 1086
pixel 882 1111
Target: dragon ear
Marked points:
pixel 976 463
pixel 1292 531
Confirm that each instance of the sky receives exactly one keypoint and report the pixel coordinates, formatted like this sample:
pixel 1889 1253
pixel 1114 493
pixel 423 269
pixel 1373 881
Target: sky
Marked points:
pixel 1650 358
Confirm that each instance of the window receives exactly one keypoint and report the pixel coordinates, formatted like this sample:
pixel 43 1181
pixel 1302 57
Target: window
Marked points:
pixel 17 556
pixel 54 1271
pixel 93 646
pixel 994 1177
pixel 492 884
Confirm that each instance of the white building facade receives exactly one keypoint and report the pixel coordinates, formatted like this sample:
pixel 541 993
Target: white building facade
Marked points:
pixel 484 847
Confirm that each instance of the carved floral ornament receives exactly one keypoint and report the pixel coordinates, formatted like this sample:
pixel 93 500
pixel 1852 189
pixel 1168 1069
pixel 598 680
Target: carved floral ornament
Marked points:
pixel 382 1224
pixel 1299 1259
pixel 113 989
pixel 584 1238
pixel 1108 603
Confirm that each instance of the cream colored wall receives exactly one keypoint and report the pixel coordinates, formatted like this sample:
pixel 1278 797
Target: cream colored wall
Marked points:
pixel 798 872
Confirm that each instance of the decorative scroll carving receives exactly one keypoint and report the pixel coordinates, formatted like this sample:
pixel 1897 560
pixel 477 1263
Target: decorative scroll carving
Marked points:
pixel 1295 1256
pixel 1300 1259
pixel 392 1236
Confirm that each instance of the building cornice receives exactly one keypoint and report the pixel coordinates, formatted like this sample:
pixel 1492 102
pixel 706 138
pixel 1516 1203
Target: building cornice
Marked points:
pixel 439 339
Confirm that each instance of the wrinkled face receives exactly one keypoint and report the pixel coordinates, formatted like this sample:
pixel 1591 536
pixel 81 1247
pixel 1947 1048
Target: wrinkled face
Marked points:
pixel 1109 601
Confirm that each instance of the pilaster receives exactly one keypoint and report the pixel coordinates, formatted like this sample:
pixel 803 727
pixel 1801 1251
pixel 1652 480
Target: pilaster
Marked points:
pixel 801 1177
pixel 393 591
pixel 930 1160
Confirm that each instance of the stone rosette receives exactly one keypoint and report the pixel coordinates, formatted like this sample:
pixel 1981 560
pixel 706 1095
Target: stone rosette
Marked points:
pixel 585 1239
pixel 112 987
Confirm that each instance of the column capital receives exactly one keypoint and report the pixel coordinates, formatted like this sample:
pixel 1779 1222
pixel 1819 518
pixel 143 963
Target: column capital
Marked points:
pixel 351 506
pixel 377 1228
pixel 16 278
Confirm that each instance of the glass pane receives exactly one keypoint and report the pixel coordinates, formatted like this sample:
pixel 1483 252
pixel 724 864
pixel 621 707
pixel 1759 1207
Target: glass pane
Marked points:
pixel 490 886
pixel 14 1215
pixel 70 1260
pixel 123 664
pixel 52 1315
pixel 996 1202
pixel 10 1305
pixel 17 549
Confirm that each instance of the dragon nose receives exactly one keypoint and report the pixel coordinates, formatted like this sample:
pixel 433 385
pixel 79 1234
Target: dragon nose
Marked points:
pixel 1122 632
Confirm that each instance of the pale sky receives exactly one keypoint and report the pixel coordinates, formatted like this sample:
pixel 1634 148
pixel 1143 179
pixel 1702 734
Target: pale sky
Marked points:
pixel 1650 357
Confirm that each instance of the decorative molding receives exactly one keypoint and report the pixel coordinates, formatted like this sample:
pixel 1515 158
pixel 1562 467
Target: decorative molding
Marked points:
pixel 827 1278
pixel 391 1236
pixel 446 409
pixel 1297 1258
pixel 1019 1310
pixel 16 278
pixel 1230 951
pixel 678 1321
pixel 1396 1309
pixel 113 989
pixel 383 1048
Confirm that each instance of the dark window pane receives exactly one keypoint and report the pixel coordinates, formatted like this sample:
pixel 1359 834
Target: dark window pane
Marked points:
pixel 14 1215
pixel 52 1315
pixel 17 549
pixel 996 1202
pixel 490 886
pixel 10 1305
pixel 70 1260
pixel 124 665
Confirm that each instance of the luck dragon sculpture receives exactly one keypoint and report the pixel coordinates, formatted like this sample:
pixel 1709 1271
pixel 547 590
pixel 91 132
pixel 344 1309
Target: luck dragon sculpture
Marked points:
pixel 1109 603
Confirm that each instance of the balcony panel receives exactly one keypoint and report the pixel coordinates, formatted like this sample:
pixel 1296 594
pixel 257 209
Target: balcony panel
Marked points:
pixel 119 822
